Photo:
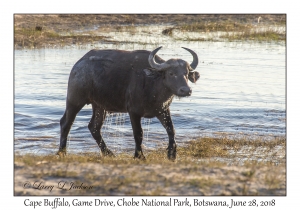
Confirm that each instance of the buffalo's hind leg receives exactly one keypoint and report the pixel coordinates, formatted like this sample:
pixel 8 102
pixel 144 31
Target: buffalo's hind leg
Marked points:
pixel 95 126
pixel 66 123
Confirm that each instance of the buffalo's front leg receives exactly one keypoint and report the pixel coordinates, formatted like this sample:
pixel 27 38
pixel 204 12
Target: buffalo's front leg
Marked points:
pixel 166 121
pixel 95 126
pixel 138 135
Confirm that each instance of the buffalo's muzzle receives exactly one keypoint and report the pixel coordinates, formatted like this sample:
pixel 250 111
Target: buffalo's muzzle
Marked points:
pixel 184 91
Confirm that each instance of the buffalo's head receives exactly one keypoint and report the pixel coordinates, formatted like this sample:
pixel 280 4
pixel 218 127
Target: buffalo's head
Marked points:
pixel 177 72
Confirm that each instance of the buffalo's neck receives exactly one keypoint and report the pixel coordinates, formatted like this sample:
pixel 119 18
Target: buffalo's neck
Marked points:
pixel 165 98
pixel 156 104
pixel 160 97
pixel 147 95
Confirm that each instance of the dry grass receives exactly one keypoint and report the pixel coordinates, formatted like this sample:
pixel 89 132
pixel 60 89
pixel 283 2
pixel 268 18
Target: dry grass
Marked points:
pixel 235 29
pixel 250 34
pixel 79 21
pixel 198 149
pixel 233 32
pixel 206 166
pixel 41 37
pixel 214 26
pixel 233 149
pixel 35 31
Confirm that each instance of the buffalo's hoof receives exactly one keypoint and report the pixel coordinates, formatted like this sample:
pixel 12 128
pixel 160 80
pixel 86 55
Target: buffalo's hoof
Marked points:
pixel 172 153
pixel 139 155
pixel 108 153
pixel 61 152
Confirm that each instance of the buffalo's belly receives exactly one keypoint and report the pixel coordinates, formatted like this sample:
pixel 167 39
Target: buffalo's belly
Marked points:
pixel 149 115
pixel 111 103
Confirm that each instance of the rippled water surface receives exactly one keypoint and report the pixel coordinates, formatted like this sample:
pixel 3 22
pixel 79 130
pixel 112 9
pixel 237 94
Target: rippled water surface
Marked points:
pixel 241 92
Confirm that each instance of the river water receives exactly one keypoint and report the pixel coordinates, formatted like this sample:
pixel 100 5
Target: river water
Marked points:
pixel 241 92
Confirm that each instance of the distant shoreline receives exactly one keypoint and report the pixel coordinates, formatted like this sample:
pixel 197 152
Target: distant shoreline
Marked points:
pixel 38 31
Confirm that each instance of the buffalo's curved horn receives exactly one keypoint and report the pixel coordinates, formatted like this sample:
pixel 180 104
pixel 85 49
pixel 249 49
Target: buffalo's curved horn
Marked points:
pixel 194 64
pixel 155 65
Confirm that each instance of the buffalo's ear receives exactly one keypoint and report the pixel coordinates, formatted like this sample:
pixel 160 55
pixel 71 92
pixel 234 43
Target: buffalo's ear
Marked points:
pixel 194 76
pixel 148 72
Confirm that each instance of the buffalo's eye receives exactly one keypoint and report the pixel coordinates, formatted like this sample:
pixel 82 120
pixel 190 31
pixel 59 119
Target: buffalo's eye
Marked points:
pixel 171 74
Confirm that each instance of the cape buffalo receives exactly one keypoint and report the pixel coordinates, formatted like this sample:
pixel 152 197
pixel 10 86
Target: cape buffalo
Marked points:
pixel 138 82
